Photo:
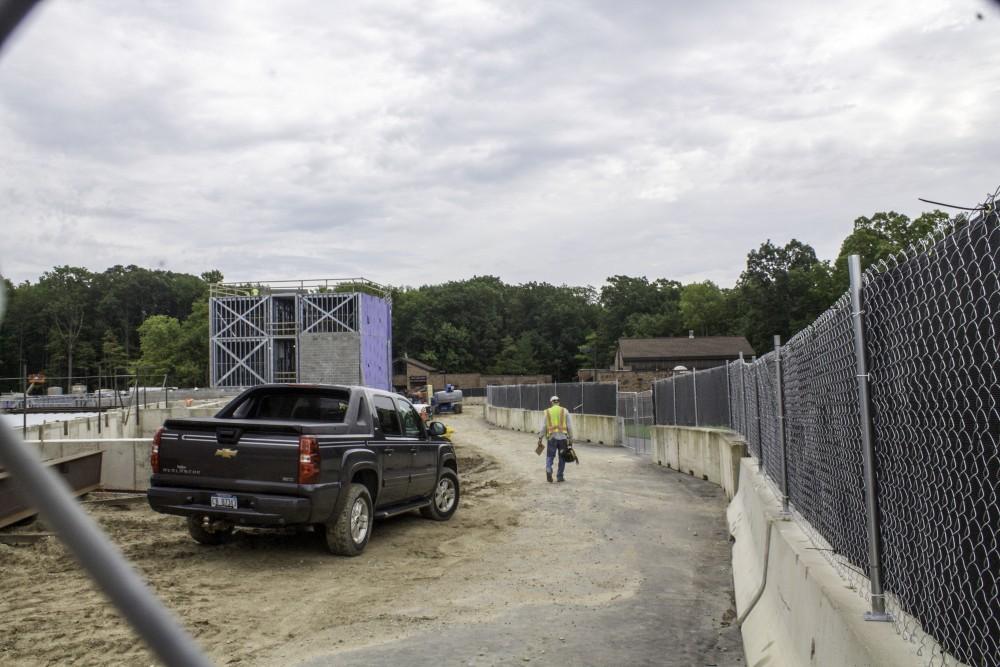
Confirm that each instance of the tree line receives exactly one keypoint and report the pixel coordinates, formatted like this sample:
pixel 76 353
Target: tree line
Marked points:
pixel 74 323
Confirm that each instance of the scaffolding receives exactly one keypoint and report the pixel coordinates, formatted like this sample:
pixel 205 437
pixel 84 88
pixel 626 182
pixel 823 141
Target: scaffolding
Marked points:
pixel 336 331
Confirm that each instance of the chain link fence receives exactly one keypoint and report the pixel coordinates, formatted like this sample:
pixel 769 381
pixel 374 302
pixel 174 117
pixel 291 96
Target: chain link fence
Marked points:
pixel 590 398
pixel 695 398
pixel 931 320
pixel 635 417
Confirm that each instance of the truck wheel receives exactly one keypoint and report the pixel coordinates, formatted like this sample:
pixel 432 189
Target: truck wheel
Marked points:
pixel 444 500
pixel 348 533
pixel 210 536
pixel 458 409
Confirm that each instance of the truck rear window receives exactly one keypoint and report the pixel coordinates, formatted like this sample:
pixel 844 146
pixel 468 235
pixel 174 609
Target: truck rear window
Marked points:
pixel 298 406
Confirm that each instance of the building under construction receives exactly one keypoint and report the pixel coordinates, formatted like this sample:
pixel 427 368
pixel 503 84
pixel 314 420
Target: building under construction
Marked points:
pixel 335 331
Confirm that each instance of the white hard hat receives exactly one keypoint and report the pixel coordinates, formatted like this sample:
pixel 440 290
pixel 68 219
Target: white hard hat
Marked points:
pixel 554 399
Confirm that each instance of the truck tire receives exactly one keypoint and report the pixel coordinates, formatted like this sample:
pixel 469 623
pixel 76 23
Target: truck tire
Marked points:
pixel 203 535
pixel 444 500
pixel 347 534
pixel 458 408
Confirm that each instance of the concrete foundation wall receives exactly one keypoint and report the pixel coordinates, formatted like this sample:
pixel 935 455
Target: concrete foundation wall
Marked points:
pixel 597 429
pixel 806 614
pixel 125 465
pixel 710 453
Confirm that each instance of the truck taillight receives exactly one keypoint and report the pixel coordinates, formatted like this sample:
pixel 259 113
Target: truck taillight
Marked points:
pixel 154 452
pixel 308 460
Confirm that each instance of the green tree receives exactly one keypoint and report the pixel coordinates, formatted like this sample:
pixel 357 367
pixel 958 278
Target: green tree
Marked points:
pixel 211 277
pixel 517 357
pixel 637 307
pixel 707 310
pixel 178 350
pixel 113 355
pixel 882 235
pixel 66 291
pixel 782 289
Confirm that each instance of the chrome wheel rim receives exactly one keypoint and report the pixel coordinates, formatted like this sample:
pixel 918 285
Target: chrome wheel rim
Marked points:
pixel 359 521
pixel 444 496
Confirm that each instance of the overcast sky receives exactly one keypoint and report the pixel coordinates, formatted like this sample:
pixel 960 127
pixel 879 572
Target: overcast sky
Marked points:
pixel 419 142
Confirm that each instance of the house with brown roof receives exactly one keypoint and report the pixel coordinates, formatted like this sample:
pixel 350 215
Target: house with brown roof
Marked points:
pixel 409 374
pixel 693 353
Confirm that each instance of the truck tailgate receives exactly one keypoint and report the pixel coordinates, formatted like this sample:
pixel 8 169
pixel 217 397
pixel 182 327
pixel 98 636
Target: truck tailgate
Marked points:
pixel 230 449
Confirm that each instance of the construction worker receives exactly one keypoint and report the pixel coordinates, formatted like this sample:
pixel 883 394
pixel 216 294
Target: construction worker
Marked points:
pixel 555 428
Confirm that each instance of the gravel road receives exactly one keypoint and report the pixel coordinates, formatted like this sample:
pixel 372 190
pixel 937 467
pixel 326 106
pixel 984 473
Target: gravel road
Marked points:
pixel 624 564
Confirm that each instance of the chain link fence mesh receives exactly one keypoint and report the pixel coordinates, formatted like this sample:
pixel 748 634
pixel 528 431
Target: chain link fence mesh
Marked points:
pixel 933 318
pixel 696 398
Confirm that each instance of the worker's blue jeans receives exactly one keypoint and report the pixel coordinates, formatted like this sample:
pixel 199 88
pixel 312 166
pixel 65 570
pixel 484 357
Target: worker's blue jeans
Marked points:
pixel 550 455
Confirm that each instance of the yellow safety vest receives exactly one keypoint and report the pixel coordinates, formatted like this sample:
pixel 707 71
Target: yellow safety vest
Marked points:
pixel 555 420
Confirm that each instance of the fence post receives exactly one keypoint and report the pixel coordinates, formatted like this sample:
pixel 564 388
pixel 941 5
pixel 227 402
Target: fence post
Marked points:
pixel 743 397
pixel 673 398
pixel 878 612
pixel 779 390
pixel 729 397
pixel 694 390
pixel 756 402
pixel 652 389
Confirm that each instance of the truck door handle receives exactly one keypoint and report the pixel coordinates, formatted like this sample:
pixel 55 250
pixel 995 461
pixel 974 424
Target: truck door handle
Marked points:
pixel 389 451
pixel 413 450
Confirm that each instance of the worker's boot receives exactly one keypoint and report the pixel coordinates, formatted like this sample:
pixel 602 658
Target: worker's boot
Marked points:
pixel 548 476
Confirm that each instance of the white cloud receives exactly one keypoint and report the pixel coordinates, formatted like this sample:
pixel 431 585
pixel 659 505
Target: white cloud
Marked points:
pixel 422 142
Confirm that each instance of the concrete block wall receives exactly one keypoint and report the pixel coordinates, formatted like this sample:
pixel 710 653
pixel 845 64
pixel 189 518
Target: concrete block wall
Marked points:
pixel 331 358
pixel 597 429
pixel 713 454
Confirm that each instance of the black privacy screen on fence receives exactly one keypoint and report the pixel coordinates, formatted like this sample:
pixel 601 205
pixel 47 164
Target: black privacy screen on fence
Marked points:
pixel 694 399
pixel 932 323
pixel 932 320
pixel 578 397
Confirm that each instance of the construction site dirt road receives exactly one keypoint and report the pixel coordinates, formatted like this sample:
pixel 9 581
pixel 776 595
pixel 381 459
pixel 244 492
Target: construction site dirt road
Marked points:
pixel 626 563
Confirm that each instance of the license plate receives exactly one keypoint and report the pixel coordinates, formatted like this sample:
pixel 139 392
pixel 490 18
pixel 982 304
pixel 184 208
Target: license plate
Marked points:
pixel 227 502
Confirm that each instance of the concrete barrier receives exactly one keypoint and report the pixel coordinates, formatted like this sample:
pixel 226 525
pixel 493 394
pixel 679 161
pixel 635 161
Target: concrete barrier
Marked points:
pixel 805 614
pixel 597 429
pixel 712 454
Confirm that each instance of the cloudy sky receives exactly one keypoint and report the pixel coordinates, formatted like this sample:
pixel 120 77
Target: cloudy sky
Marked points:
pixel 418 142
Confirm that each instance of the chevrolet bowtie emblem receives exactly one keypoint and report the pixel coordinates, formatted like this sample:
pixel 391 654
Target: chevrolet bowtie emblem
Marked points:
pixel 226 453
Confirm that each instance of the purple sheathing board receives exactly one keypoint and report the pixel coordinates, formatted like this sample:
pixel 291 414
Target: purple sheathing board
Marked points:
pixel 376 341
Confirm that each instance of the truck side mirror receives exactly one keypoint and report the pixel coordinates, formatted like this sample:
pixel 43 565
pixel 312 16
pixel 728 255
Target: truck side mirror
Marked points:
pixel 436 428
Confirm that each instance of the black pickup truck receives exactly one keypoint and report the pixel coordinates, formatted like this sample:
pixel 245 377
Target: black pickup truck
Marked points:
pixel 283 455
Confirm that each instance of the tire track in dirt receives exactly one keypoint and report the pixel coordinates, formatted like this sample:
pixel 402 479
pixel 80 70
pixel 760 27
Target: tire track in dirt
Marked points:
pixel 246 600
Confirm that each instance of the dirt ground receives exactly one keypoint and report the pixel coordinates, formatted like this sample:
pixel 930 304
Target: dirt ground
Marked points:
pixel 269 599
